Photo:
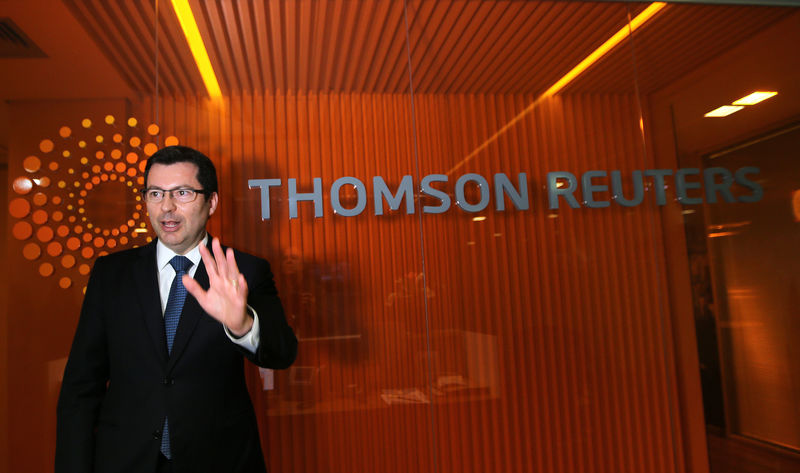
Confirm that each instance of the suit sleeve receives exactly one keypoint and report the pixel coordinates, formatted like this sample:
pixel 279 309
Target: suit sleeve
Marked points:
pixel 277 348
pixel 84 385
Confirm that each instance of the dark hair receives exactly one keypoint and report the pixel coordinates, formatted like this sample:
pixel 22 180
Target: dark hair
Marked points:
pixel 206 172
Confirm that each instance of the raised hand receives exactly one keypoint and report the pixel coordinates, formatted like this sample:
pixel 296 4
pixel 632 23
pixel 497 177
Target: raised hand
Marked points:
pixel 226 297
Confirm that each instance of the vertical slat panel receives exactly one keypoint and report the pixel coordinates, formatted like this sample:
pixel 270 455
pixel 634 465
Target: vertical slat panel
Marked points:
pixel 572 306
pixel 575 303
pixel 601 377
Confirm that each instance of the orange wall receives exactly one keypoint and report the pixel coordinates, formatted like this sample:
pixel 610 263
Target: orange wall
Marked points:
pixel 554 331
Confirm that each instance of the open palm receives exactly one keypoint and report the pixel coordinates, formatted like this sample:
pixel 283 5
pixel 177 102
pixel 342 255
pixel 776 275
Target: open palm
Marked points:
pixel 226 297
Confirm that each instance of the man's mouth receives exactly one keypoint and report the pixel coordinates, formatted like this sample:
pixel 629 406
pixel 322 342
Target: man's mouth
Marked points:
pixel 170 225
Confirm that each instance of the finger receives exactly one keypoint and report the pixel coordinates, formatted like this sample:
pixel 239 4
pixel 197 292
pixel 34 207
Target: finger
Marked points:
pixel 219 257
pixel 242 286
pixel 233 268
pixel 208 261
pixel 193 288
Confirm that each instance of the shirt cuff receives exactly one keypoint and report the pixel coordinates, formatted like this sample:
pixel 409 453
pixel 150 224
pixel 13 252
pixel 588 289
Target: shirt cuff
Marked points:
pixel 250 340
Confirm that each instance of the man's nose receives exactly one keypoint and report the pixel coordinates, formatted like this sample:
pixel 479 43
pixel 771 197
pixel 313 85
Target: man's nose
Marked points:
pixel 167 203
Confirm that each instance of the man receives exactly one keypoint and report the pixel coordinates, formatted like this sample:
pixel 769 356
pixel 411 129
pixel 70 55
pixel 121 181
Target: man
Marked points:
pixel 155 379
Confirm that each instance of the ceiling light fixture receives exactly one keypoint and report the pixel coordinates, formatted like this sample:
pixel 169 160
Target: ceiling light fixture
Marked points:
pixel 610 43
pixel 723 111
pixel 752 99
pixel 604 48
pixel 192 33
pixel 755 98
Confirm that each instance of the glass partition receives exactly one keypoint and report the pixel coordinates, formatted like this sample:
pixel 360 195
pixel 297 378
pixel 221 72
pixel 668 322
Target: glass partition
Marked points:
pixel 550 340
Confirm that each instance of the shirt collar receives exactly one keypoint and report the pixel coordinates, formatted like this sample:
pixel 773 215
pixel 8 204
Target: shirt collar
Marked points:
pixel 164 254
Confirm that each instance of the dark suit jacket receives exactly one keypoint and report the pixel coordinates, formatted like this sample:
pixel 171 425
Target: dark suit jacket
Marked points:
pixel 119 381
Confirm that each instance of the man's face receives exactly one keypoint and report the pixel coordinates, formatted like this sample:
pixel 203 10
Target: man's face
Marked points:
pixel 179 226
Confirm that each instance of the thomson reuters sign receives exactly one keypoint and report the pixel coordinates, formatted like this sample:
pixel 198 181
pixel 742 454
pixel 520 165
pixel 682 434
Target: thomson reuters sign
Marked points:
pixel 692 186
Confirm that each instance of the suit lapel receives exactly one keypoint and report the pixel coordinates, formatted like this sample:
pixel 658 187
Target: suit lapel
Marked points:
pixel 145 276
pixel 191 314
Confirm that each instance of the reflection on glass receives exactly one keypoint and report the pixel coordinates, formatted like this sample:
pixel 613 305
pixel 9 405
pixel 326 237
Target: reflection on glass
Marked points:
pixel 496 227
pixel 756 289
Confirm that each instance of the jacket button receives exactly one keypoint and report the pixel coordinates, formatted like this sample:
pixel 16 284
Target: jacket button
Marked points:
pixel 157 435
pixel 167 381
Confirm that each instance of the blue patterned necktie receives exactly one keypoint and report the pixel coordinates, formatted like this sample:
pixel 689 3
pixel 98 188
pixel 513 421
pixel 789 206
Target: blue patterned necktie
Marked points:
pixel 172 315
pixel 177 295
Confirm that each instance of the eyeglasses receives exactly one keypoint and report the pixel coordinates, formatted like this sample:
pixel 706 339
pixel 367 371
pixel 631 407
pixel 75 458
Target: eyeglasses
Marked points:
pixel 184 195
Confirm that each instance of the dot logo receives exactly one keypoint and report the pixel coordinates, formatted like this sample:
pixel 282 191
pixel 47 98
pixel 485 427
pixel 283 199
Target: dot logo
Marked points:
pixel 79 196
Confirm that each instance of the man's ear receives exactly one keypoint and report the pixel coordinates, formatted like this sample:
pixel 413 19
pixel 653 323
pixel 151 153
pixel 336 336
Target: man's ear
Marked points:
pixel 213 200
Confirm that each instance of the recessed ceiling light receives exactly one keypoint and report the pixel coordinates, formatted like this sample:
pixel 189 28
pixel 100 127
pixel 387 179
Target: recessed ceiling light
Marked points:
pixel 724 111
pixel 755 98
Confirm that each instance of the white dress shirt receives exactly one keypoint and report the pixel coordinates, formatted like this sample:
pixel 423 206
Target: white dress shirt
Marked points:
pixel 166 274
